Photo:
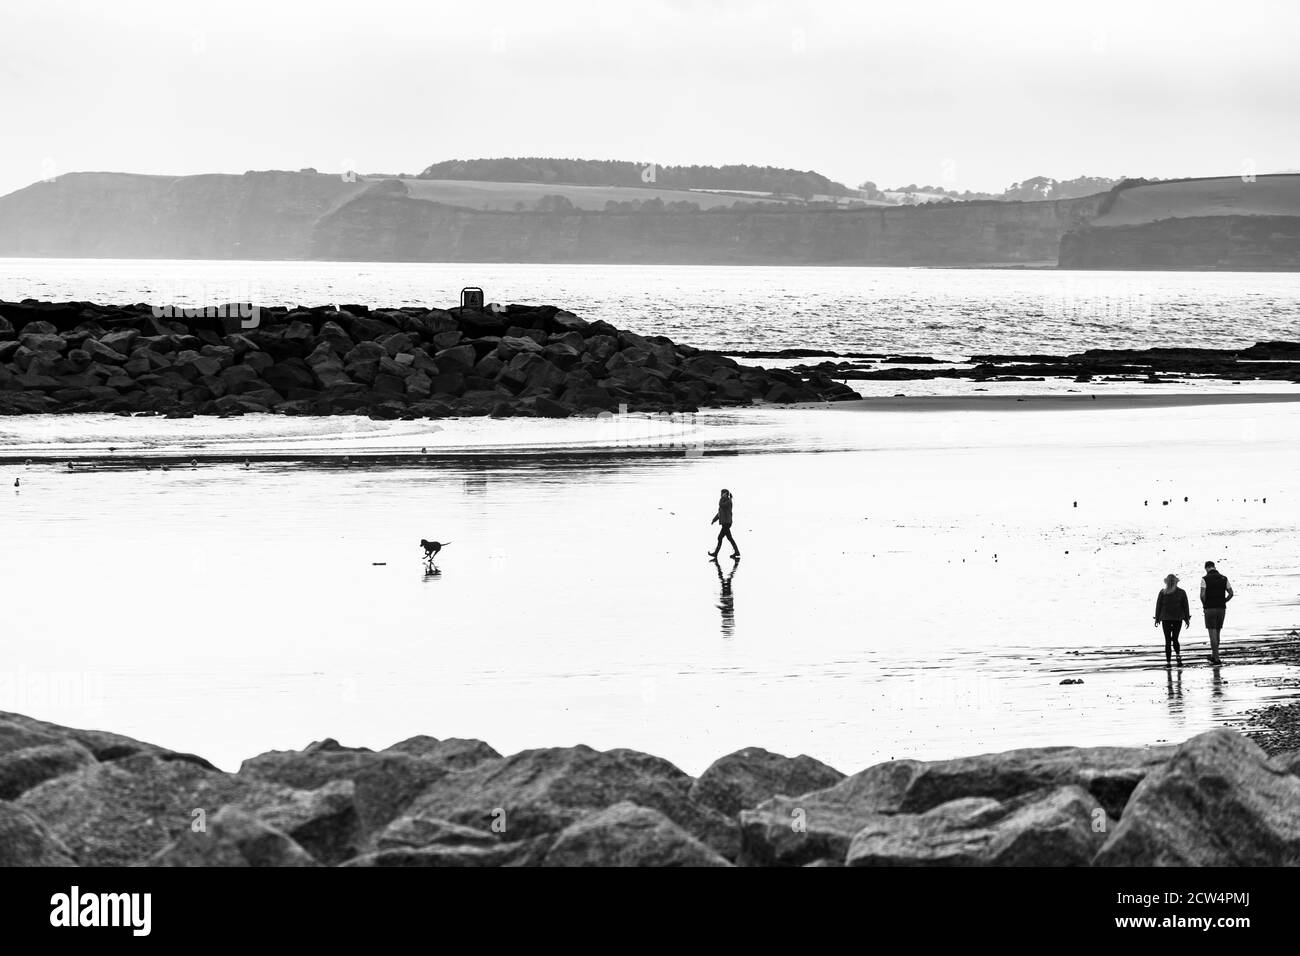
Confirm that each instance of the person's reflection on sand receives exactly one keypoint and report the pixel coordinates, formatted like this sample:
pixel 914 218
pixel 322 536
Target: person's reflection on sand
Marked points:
pixel 727 600
pixel 1174 689
pixel 475 483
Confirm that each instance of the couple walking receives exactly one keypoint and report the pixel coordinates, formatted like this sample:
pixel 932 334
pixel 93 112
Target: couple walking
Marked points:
pixel 1173 611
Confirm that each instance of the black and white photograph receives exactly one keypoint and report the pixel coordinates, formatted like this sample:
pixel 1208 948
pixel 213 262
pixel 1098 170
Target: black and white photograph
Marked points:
pixel 650 434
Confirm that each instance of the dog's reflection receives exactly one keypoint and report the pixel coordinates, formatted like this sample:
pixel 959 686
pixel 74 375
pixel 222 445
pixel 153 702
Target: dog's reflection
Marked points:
pixel 431 572
pixel 726 598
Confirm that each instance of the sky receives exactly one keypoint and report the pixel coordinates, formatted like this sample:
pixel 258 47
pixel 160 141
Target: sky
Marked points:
pixel 960 95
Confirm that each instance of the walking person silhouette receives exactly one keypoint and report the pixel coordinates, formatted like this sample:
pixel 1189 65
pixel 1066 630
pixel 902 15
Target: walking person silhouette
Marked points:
pixel 723 520
pixel 1171 614
pixel 1216 592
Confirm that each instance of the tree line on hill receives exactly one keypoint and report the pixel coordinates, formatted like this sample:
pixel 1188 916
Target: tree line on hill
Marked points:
pixel 1033 189
pixel 608 172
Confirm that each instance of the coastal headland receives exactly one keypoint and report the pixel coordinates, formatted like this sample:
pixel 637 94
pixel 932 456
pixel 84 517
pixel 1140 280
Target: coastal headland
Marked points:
pixel 72 797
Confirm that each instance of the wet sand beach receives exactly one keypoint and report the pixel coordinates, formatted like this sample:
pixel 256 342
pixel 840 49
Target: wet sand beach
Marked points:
pixel 915 583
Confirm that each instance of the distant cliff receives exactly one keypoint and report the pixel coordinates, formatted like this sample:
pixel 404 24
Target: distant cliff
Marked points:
pixel 262 215
pixel 1219 224
pixel 287 215
pixel 385 222
pixel 1203 243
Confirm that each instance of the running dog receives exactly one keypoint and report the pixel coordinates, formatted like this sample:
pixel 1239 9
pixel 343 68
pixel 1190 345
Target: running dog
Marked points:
pixel 431 548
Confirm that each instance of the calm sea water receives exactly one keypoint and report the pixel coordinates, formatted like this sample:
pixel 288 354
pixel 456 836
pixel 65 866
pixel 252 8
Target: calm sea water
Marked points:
pixel 946 313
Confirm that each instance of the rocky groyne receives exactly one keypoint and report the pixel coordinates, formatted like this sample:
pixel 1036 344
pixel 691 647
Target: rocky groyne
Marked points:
pixel 72 797
pixel 519 360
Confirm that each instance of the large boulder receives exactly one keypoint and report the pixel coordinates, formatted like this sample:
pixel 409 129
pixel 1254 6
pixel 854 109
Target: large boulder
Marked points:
pixel 1288 760
pixel 26 840
pixel 796 830
pixel 458 358
pixel 543 791
pixel 1218 801
pixel 1059 827
pixel 744 779
pixel 22 769
pixel 234 838
pixel 385 783
pixel 628 835
pixel 454 753
pixel 123 812
pixel 323 821
pixel 102 745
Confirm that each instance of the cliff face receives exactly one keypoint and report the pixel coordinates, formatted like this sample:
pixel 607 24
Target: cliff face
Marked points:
pixel 385 223
pixel 1203 243
pixel 283 215
pixel 1223 223
pixel 261 215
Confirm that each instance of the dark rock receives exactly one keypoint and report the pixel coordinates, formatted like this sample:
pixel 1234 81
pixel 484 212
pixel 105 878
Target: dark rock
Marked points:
pixel 233 837
pixel 629 835
pixel 25 840
pixel 103 746
pixel 122 812
pixel 549 408
pixel 744 779
pixel 324 821
pixel 385 783
pixel 22 769
pixel 829 818
pixel 459 358
pixel 543 791
pixel 1218 801
pixel 1059 827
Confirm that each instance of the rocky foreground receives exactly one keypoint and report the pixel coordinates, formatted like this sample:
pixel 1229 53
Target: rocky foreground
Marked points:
pixel 88 798
pixel 385 363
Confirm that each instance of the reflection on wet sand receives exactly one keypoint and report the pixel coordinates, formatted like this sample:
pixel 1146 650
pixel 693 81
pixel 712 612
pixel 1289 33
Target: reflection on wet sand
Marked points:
pixel 726 599
pixel 1174 689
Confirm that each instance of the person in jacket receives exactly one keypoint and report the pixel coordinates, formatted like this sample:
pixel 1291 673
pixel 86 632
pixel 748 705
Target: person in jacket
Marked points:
pixel 1172 612
pixel 723 520
pixel 1216 592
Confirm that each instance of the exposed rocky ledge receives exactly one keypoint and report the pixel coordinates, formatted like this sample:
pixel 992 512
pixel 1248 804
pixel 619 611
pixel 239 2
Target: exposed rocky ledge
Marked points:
pixel 385 363
pixel 1264 361
pixel 86 798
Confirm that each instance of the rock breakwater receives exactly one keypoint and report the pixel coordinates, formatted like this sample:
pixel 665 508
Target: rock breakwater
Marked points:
pixel 520 360
pixel 86 798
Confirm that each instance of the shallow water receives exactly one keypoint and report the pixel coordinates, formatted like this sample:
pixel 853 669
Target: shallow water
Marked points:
pixel 941 312
pixel 913 583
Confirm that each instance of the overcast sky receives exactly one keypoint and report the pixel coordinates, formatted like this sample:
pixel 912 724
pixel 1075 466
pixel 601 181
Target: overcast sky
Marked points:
pixel 964 95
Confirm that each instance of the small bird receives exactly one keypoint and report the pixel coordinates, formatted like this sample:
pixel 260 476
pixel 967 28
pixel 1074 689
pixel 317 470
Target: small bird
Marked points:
pixel 17 482
pixel 431 548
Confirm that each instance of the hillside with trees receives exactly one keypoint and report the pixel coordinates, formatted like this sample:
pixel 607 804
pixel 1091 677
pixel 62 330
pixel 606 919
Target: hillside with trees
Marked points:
pixel 1035 189
pixel 609 172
